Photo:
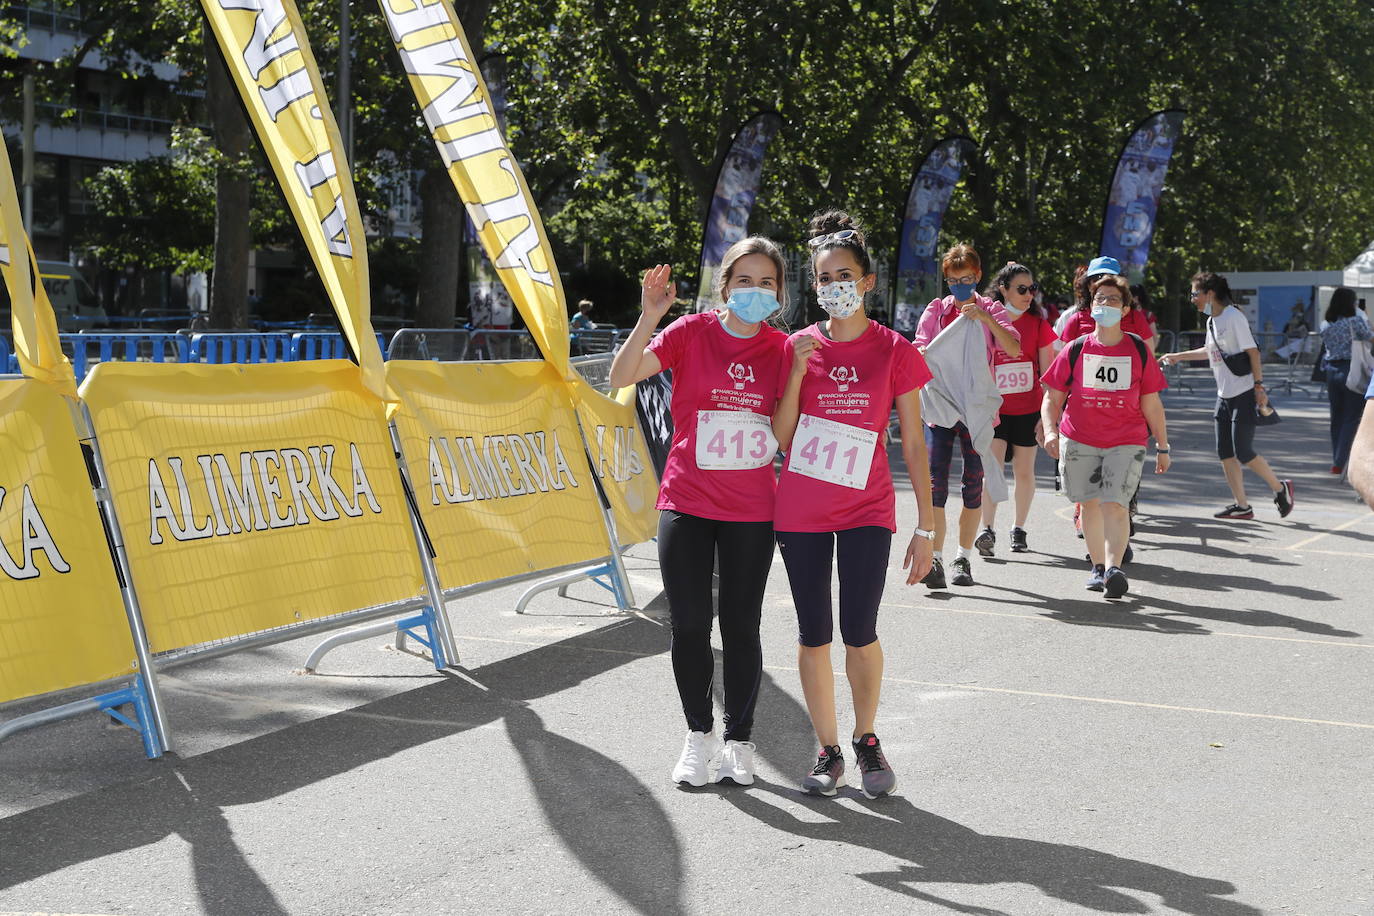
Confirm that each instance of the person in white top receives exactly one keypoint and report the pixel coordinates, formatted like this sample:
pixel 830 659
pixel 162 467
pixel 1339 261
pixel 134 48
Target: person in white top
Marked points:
pixel 1241 398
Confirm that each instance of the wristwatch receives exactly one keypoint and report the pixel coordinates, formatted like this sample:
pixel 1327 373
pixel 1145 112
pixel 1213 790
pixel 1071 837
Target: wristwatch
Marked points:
pixel 928 535
pixel 1161 451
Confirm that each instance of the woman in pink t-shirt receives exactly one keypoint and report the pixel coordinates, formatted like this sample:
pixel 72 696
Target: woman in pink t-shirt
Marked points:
pixel 716 494
pixel 1018 379
pixel 1102 402
pixel 835 502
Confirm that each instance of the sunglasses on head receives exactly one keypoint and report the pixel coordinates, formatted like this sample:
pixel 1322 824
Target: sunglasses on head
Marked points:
pixel 842 235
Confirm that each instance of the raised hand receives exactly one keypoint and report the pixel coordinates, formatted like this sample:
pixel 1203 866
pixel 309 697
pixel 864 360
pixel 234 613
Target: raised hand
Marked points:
pixel 659 292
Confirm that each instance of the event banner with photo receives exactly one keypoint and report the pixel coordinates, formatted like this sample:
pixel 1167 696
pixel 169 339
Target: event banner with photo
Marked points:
pixel 265 49
pixel 918 263
pixel 737 188
pixel 1128 224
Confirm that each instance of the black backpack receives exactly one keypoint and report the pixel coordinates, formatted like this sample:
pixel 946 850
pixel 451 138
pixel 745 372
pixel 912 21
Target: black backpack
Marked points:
pixel 1076 350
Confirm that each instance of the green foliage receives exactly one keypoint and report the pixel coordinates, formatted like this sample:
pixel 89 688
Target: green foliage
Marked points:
pixel 157 213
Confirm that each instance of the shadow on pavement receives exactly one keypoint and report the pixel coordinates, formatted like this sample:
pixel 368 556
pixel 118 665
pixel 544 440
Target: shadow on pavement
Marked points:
pixel 936 850
pixel 186 798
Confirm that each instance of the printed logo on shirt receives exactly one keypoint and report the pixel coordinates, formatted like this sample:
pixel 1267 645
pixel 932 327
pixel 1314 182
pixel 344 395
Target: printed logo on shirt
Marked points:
pixel 844 376
pixel 740 373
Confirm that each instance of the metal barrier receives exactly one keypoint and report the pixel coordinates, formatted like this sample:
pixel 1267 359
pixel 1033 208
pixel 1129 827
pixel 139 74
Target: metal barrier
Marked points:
pixel 5 357
pixel 87 349
pixel 232 347
pixel 325 345
pixel 462 345
pixel 599 340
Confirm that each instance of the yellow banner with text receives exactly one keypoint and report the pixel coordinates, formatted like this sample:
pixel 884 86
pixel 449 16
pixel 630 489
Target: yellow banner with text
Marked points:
pixel 62 621
pixel 251 496
pixel 498 468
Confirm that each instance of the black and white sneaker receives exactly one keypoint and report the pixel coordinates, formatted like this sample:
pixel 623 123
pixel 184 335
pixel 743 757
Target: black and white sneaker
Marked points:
pixel 1284 498
pixel 985 542
pixel 935 579
pixel 827 775
pixel 963 571
pixel 1018 541
pixel 1235 511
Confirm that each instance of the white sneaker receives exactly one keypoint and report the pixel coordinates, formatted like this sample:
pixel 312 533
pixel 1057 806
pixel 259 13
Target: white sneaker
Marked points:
pixel 737 763
pixel 699 751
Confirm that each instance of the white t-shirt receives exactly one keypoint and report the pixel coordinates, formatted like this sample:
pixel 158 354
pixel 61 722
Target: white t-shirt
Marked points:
pixel 1230 332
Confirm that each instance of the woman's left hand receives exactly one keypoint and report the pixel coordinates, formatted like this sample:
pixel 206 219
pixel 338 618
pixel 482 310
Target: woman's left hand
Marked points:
pixel 974 311
pixel 1261 397
pixel 1161 462
pixel 920 556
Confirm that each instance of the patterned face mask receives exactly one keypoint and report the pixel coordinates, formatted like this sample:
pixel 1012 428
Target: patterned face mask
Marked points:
pixel 841 298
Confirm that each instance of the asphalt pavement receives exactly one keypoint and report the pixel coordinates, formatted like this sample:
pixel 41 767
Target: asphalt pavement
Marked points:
pixel 1202 747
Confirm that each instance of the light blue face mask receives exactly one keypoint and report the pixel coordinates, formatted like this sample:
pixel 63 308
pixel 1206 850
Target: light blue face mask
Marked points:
pixel 752 304
pixel 1106 316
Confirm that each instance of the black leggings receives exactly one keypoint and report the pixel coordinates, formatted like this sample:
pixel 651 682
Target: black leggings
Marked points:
pixel 863 554
pixel 687 550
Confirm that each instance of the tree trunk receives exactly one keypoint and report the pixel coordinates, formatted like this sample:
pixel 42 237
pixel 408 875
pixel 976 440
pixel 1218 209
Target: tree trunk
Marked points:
pixel 441 229
pixel 233 194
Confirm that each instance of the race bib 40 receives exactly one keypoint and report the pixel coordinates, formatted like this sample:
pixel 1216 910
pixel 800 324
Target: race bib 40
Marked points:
pixel 1107 373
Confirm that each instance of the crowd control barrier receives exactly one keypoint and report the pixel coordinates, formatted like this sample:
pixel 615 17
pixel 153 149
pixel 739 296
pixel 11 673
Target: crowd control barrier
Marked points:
pixel 257 504
pixel 324 345
pixel 462 345
pixel 89 348
pixel 234 347
pixel 67 627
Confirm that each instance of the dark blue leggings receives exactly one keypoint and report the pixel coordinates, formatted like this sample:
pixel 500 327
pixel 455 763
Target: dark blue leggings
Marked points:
pixel 940 446
pixel 862 554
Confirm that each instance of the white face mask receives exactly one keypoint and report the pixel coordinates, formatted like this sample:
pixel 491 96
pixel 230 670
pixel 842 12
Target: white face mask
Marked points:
pixel 841 298
pixel 1014 313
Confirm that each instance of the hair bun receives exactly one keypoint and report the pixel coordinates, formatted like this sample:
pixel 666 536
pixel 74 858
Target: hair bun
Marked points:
pixel 828 221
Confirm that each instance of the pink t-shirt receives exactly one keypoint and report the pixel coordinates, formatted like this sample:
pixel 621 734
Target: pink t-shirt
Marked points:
pixel 713 370
pixel 1018 378
pixel 1081 322
pixel 1107 414
pixel 841 479
pixel 940 314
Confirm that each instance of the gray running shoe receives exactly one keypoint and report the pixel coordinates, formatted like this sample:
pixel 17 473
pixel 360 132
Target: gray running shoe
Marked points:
pixel 1115 584
pixel 828 773
pixel 878 778
pixel 1018 541
pixel 963 571
pixel 1096 581
pixel 985 542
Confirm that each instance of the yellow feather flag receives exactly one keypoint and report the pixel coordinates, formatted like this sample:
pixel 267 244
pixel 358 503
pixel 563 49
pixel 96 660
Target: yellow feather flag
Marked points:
pixel 458 110
pixel 266 50
pixel 35 326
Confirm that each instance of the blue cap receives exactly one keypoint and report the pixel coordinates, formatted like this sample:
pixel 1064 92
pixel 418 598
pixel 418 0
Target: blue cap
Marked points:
pixel 1103 266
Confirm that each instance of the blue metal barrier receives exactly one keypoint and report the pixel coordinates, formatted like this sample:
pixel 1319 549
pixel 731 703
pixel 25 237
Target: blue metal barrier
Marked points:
pixel 5 357
pixel 324 345
pixel 248 347
pixel 88 349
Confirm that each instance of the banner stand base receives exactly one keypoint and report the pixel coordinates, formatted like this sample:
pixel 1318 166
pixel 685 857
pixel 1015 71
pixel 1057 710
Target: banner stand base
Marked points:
pixel 407 627
pixel 605 575
pixel 134 695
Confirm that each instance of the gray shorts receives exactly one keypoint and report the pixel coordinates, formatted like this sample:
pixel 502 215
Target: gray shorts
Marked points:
pixel 1108 474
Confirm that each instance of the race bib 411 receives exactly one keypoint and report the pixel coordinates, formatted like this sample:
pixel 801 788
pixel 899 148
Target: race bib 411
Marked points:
pixel 834 452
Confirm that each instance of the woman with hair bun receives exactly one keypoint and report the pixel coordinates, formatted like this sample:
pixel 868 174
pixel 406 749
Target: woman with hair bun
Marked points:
pixel 717 491
pixel 836 506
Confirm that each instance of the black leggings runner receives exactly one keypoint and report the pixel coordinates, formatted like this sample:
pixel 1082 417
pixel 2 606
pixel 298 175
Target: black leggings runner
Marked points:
pixel 687 549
